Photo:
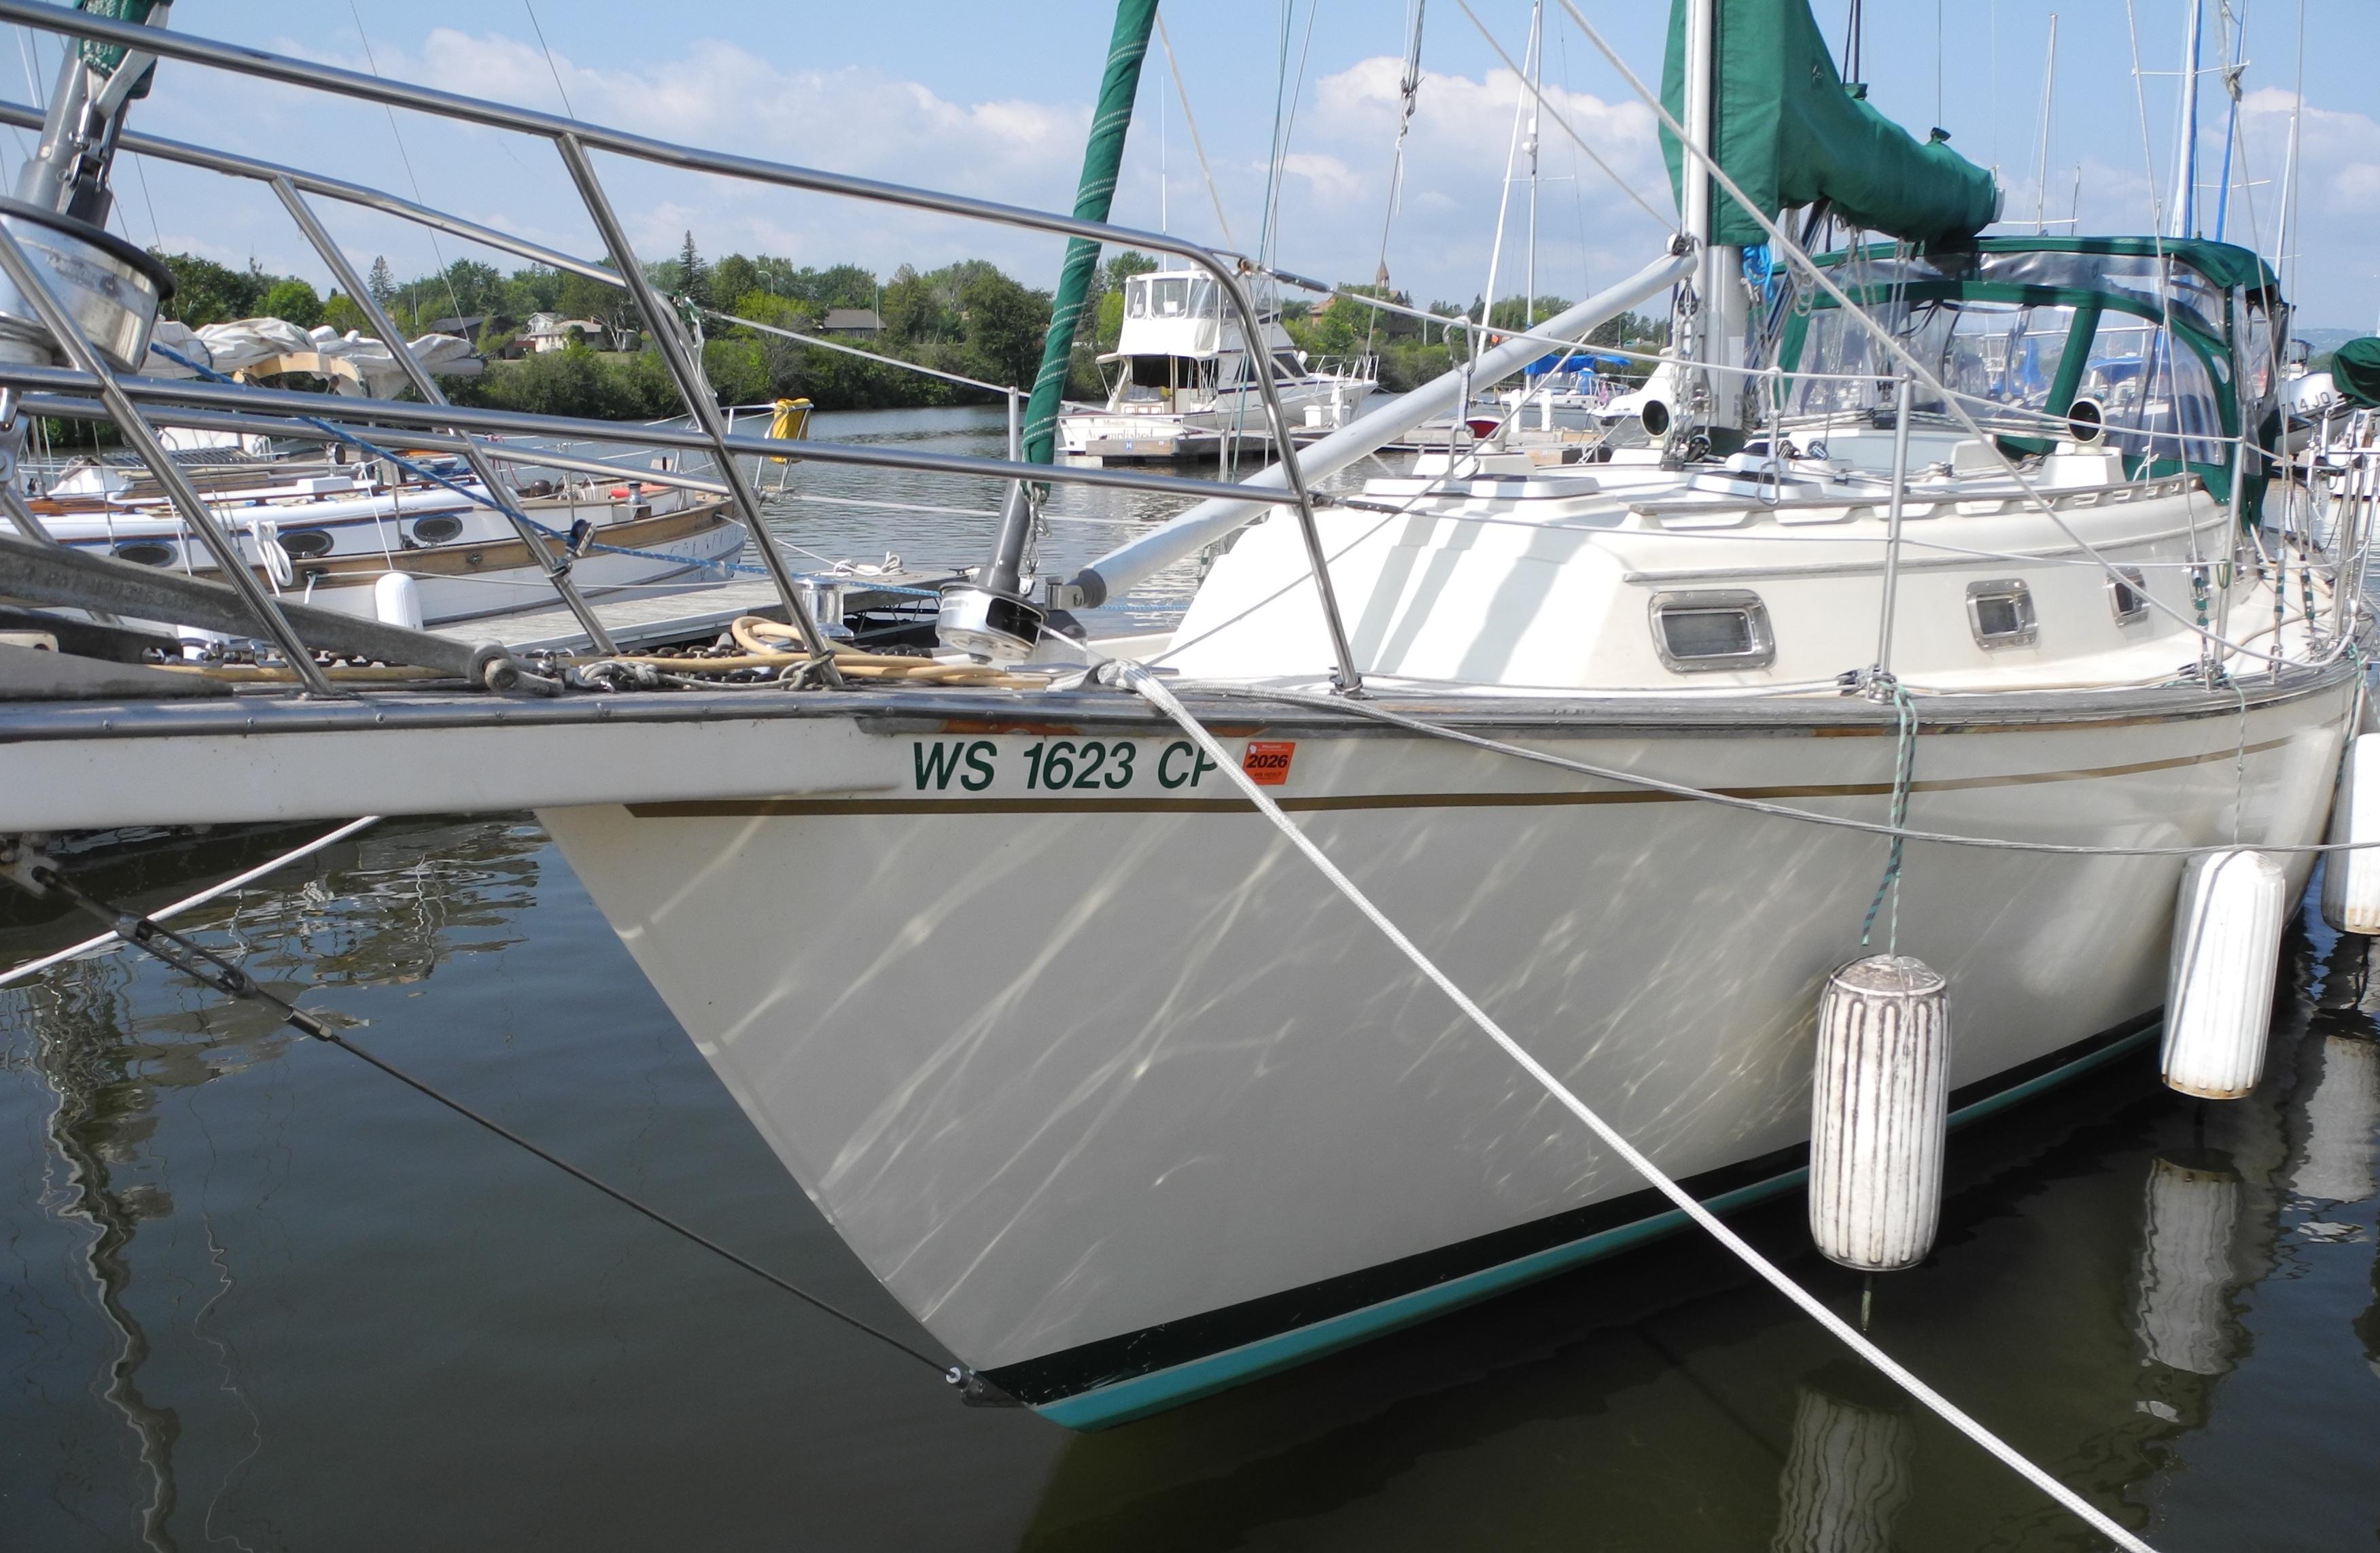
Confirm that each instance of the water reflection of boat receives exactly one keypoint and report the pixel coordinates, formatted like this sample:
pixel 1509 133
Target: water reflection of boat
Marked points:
pixel 89 1062
pixel 379 909
pixel 2189 1219
pixel 2343 1115
pixel 1845 1479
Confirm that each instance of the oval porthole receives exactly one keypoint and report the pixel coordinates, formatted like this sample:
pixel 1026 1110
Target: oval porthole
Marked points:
pixel 305 544
pixel 146 552
pixel 1705 629
pixel 437 530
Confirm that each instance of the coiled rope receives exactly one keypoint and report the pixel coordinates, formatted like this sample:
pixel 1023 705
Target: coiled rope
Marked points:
pixel 1153 690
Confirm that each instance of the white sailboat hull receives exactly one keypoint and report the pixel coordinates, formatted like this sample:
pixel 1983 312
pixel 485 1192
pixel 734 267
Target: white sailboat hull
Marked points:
pixel 1124 1106
pixel 1239 417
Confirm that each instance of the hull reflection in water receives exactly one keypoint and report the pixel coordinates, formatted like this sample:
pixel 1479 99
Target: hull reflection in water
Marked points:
pixel 345 1294
pixel 112 1042
pixel 2189 1219
pixel 2342 1115
pixel 1845 1479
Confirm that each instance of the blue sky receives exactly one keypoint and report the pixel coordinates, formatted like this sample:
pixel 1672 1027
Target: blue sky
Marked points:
pixel 994 100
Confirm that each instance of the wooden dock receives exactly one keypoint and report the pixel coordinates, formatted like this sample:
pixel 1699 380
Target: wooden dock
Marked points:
pixel 647 618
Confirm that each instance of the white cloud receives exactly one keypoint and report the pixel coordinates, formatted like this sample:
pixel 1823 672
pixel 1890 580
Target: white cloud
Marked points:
pixel 871 122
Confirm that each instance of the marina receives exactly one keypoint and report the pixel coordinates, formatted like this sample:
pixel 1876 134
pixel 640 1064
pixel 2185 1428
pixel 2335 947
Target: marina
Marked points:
pixel 1768 871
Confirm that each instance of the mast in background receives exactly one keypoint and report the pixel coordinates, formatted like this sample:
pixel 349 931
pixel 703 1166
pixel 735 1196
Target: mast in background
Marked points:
pixel 2049 93
pixel 2237 30
pixel 2184 220
pixel 1536 98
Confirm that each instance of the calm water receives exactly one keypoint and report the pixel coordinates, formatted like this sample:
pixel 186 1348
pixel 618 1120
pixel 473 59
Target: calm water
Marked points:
pixel 260 1296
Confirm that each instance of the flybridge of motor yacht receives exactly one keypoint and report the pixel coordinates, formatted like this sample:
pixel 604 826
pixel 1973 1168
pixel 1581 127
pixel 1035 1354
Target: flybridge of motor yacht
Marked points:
pixel 1971 564
pixel 1181 380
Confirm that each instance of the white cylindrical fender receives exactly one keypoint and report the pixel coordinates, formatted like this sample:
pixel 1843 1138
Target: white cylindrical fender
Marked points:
pixel 2351 880
pixel 397 601
pixel 1879 1108
pixel 2227 947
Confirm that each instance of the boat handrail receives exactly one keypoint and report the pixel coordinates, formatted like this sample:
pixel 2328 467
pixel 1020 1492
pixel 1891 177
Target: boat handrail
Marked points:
pixel 575 139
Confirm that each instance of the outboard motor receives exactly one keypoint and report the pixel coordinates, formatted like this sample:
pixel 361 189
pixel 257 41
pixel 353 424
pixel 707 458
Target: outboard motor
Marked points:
pixel 110 288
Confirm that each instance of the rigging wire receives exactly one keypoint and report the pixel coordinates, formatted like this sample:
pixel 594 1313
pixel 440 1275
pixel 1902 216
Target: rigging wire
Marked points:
pixel 1891 344
pixel 76 951
pixel 1662 218
pixel 1409 96
pixel 1189 122
pixel 404 156
pixel 1479 338
pixel 550 67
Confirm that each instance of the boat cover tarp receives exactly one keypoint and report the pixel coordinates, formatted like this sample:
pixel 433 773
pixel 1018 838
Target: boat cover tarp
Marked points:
pixel 2355 373
pixel 277 345
pixel 1789 132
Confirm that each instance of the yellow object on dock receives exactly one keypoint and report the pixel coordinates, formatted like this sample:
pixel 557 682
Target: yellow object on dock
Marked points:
pixel 792 425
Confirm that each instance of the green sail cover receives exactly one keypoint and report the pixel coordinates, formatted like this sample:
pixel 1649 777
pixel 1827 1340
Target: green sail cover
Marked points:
pixel 2355 373
pixel 1103 156
pixel 1789 133
pixel 106 57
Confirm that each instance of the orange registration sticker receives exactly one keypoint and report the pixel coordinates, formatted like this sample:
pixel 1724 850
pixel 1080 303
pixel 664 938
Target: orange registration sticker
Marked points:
pixel 1266 762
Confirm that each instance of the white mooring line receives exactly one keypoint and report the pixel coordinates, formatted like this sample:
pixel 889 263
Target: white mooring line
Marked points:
pixel 1150 688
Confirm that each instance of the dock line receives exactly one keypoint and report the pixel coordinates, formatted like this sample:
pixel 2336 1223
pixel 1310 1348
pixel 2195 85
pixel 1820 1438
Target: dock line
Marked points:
pixel 1153 690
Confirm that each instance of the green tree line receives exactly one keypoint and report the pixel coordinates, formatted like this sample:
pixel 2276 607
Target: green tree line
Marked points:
pixel 969 318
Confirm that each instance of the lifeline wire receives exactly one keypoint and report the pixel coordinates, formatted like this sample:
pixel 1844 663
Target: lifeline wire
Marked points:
pixel 1154 691
pixel 203 964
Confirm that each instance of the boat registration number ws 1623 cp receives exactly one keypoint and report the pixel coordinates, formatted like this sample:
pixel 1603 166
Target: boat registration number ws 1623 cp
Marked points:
pixel 1082 765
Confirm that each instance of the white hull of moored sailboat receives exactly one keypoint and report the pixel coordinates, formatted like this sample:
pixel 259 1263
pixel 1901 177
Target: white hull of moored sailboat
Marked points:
pixel 1253 1134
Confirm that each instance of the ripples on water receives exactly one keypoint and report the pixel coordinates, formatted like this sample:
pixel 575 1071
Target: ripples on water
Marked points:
pixel 260 1296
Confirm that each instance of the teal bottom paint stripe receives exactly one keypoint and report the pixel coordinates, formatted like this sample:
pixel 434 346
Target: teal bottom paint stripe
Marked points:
pixel 1144 1394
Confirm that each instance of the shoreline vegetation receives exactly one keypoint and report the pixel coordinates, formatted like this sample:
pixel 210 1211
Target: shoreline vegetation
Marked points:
pixel 967 318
